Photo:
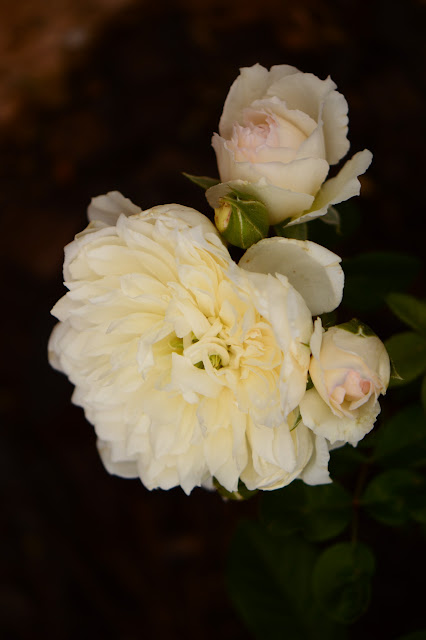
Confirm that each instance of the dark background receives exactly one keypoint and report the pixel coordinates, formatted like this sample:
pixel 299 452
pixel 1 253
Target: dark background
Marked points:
pixel 100 95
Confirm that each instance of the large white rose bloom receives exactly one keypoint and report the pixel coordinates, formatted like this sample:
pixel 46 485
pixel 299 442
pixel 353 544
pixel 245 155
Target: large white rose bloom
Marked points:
pixel 189 367
pixel 279 133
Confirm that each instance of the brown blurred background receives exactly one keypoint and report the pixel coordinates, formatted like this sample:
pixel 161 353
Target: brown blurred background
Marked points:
pixel 97 95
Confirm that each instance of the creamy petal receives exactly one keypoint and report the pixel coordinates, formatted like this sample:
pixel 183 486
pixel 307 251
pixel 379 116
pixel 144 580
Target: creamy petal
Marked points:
pixel 250 85
pixel 312 270
pixel 109 207
pixel 317 415
pixel 316 471
pixel 335 121
pixel 302 91
pixel 340 188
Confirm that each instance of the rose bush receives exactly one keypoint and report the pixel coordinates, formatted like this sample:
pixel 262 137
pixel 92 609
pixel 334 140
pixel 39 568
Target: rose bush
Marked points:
pixel 279 133
pixel 349 368
pixel 188 366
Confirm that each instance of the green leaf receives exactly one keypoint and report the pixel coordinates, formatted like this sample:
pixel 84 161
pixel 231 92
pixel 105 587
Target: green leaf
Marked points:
pixel 401 441
pixel 202 181
pixel 370 277
pixel 319 513
pixel 409 309
pixel 345 461
pixel 408 354
pixel 296 231
pixel 395 496
pixel 269 582
pixel 341 581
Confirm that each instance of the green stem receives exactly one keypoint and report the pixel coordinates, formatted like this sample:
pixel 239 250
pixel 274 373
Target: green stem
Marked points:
pixel 361 480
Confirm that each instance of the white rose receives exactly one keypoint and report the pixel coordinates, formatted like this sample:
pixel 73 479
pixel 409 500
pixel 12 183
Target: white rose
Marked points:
pixel 280 131
pixel 349 368
pixel 188 366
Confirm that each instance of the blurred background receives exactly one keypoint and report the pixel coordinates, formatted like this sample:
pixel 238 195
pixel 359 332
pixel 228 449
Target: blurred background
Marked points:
pixel 97 95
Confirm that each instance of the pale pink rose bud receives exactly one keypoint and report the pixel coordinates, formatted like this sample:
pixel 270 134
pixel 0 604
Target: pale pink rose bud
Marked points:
pixel 349 368
pixel 279 133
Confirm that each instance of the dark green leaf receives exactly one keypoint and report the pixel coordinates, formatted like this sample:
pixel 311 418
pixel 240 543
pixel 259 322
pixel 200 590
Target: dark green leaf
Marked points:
pixel 395 496
pixel 269 583
pixel 341 581
pixel 408 353
pixel 402 440
pixel 297 231
pixel 345 461
pixel 409 309
pixel 370 277
pixel 202 181
pixel 319 512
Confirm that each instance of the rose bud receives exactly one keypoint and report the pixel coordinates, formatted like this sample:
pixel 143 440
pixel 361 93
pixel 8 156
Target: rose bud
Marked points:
pixel 349 368
pixel 241 219
pixel 279 133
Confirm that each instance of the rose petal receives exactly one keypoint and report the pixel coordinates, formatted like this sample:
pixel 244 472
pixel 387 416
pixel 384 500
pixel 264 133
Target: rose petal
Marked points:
pixel 108 208
pixel 125 468
pixel 340 188
pixel 305 175
pixel 335 121
pixel 250 85
pixel 317 415
pixel 302 91
pixel 370 351
pixel 313 271
pixel 279 108
pixel 316 471
pixel 313 146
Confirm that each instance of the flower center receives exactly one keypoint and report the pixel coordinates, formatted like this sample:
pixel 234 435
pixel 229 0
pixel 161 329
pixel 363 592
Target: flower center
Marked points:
pixel 221 348
pixel 354 388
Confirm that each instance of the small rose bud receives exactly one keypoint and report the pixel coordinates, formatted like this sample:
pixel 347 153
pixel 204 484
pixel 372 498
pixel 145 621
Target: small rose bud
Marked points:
pixel 349 368
pixel 222 216
pixel 241 219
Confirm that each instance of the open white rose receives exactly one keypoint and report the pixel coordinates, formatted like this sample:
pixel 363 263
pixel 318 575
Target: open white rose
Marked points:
pixel 280 131
pixel 349 371
pixel 188 366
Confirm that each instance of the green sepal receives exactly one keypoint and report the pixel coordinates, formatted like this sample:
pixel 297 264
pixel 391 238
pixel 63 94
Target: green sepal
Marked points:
pixel 357 327
pixel 247 221
pixel 202 181
pixel 241 494
pixel 296 231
